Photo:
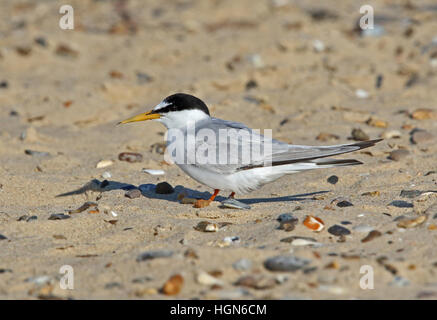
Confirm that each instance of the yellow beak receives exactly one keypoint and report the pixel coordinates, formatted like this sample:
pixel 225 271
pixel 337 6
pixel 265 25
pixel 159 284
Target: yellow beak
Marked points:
pixel 142 117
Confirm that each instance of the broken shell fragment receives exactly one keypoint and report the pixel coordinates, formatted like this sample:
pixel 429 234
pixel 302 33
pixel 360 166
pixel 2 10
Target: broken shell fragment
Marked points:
pixel 314 223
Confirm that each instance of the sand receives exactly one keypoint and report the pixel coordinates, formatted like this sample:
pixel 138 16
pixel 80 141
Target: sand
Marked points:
pixel 304 71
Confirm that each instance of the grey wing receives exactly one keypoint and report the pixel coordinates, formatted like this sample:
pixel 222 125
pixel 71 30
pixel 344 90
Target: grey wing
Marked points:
pixel 238 147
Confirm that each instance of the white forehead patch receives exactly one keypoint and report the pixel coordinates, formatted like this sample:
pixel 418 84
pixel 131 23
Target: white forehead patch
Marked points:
pixel 161 105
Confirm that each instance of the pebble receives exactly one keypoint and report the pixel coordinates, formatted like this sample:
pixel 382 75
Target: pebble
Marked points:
pixel 173 285
pixel 65 51
pixel 337 230
pixel 4 84
pixel 411 223
pixel 234 204
pixel 283 217
pixel 256 60
pixel 359 135
pixel 401 204
pixel 58 216
pixel 205 226
pixel 372 235
pixel 242 264
pixel 423 114
pixel 392 134
pixel 143 78
pixel 36 153
pixel 113 285
pixel 104 163
pixel 208 280
pixel 399 282
pixel 398 155
pixel 84 207
pixel 332 179
pixel 324 136
pixel 230 240
pixel 285 263
pixel 164 188
pixel 318 46
pixel 133 193
pixel 106 175
pixel 362 94
pixel 27 218
pixel 154 172
pixel 2 237
pixel 341 202
pixel 41 41
pixel 258 282
pixel 149 255
pixel 362 228
pixel 301 241
pixel 421 136
pixel 130 157
pixel 377 123
pixel 410 193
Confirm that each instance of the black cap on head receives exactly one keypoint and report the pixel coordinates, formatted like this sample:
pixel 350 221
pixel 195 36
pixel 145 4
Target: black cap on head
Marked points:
pixel 182 101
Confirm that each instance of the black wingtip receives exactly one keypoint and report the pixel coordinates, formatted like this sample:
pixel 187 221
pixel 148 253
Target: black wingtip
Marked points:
pixel 367 143
pixel 339 162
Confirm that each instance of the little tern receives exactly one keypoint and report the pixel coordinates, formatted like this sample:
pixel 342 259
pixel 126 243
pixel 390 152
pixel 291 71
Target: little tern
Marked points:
pixel 235 175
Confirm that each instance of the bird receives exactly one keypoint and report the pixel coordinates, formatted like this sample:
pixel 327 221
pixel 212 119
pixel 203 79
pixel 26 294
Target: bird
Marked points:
pixel 236 173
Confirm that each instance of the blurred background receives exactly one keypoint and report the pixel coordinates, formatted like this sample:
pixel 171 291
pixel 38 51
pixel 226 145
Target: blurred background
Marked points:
pixel 301 68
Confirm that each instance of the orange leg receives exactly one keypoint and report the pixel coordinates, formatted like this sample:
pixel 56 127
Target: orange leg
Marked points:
pixel 201 203
pixel 232 195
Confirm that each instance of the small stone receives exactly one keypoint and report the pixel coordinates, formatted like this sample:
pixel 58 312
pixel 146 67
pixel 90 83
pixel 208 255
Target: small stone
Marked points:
pixel 143 78
pixel 399 282
pixel 398 155
pixel 234 204
pixel 104 163
pixel 285 263
pixel 133 193
pixel 410 193
pixel 392 134
pixel 36 153
pixel 4 84
pixel 113 285
pixel 374 122
pixel 154 172
pixel 341 203
pixel 318 46
pixel 106 175
pixel 423 114
pixel 149 255
pixel 208 280
pixel 332 179
pixel 256 60
pixel 258 282
pixel 359 135
pixel 231 240
pixel 401 204
pixel 411 223
pixel 362 228
pixel 27 218
pixel 65 51
pixel 84 207
pixel 372 235
pixel 288 225
pixel 284 217
pixel 41 41
pixel 372 194
pixel 59 216
pixel 205 226
pixel 251 84
pixel 130 157
pixel 301 241
pixel 173 285
pixel 324 136
pixel 362 94
pixel 421 136
pixel 338 231
pixel 164 188
pixel 242 264
pixel 2 237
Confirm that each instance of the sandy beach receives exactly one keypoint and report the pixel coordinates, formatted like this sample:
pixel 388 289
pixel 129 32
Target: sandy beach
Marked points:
pixel 299 68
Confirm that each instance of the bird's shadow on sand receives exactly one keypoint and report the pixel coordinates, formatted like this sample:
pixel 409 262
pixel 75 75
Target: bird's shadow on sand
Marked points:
pixel 148 191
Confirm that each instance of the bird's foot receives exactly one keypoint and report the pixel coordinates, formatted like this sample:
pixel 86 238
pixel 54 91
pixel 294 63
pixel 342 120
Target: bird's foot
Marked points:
pixel 201 203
